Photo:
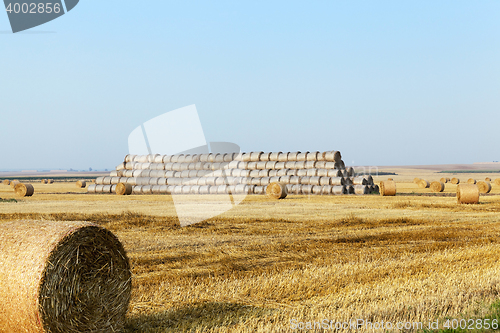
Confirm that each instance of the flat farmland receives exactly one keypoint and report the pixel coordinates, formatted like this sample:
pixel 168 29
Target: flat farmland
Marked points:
pixel 266 266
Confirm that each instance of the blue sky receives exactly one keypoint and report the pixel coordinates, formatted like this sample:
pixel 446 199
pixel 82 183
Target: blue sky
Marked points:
pixel 384 82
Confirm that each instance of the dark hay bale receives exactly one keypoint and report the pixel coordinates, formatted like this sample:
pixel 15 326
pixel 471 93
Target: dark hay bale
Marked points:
pixel 62 277
pixel 24 190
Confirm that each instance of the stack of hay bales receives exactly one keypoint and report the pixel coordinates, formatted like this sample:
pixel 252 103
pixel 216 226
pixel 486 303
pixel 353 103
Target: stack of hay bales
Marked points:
pixel 245 173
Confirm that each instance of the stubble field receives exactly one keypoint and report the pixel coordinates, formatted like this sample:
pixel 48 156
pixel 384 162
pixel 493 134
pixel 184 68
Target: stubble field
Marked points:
pixel 266 265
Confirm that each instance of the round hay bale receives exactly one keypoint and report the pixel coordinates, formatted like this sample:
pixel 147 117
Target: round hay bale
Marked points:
pixel 350 172
pixel 311 172
pixel 289 172
pixel 416 180
pixel 361 189
pixel 265 173
pixel 443 180
pixel 487 179
pixel 261 165
pixel 387 188
pixel 306 189
pixel 24 190
pixel 302 172
pixel 137 189
pixel 302 157
pixel 62 277
pixel 334 173
pixel 437 186
pixel 337 181
pixel 123 189
pixel 312 156
pixel 320 165
pixel 107 189
pixel 43 181
pixel 292 157
pixel 255 156
pixel 339 190
pixel 326 190
pixel 265 157
pixel 471 181
pixel 484 187
pixel 276 191
pixel 6 182
pixel 91 188
pixel 270 165
pixel 295 180
pixel 81 184
pixel 497 181
pixel 455 181
pixel 245 157
pixel 467 194
pixel 332 156
pixel 325 181
pixel 310 164
pixel 317 190
pixel 259 190
pixel 359 181
pixel 423 183
pixel 290 165
pixel 314 181
pixel 283 157
pixel 274 156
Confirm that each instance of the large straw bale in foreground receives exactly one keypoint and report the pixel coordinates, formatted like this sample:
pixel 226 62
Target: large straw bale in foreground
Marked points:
pixel 62 277
pixel 437 186
pixel 467 194
pixel 276 191
pixel 484 187
pixel 24 190
pixel 455 181
pixel 387 188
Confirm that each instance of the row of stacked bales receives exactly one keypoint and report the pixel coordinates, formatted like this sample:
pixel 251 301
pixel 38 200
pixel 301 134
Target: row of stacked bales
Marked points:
pixel 246 173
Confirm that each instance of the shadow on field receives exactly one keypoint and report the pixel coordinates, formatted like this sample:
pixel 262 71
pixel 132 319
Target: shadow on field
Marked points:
pixel 200 316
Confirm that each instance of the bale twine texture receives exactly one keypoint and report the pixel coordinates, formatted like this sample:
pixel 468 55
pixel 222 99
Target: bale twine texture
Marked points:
pixel 81 184
pixel 467 194
pixel 276 191
pixel 455 181
pixel 123 189
pixel 387 188
pixel 484 187
pixel 62 277
pixel 437 186
pixel 24 190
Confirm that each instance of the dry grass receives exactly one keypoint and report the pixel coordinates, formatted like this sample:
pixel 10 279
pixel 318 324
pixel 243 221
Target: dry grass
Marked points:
pixel 255 268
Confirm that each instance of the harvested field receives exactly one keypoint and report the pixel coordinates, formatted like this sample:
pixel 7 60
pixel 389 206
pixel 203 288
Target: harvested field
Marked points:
pixel 416 256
